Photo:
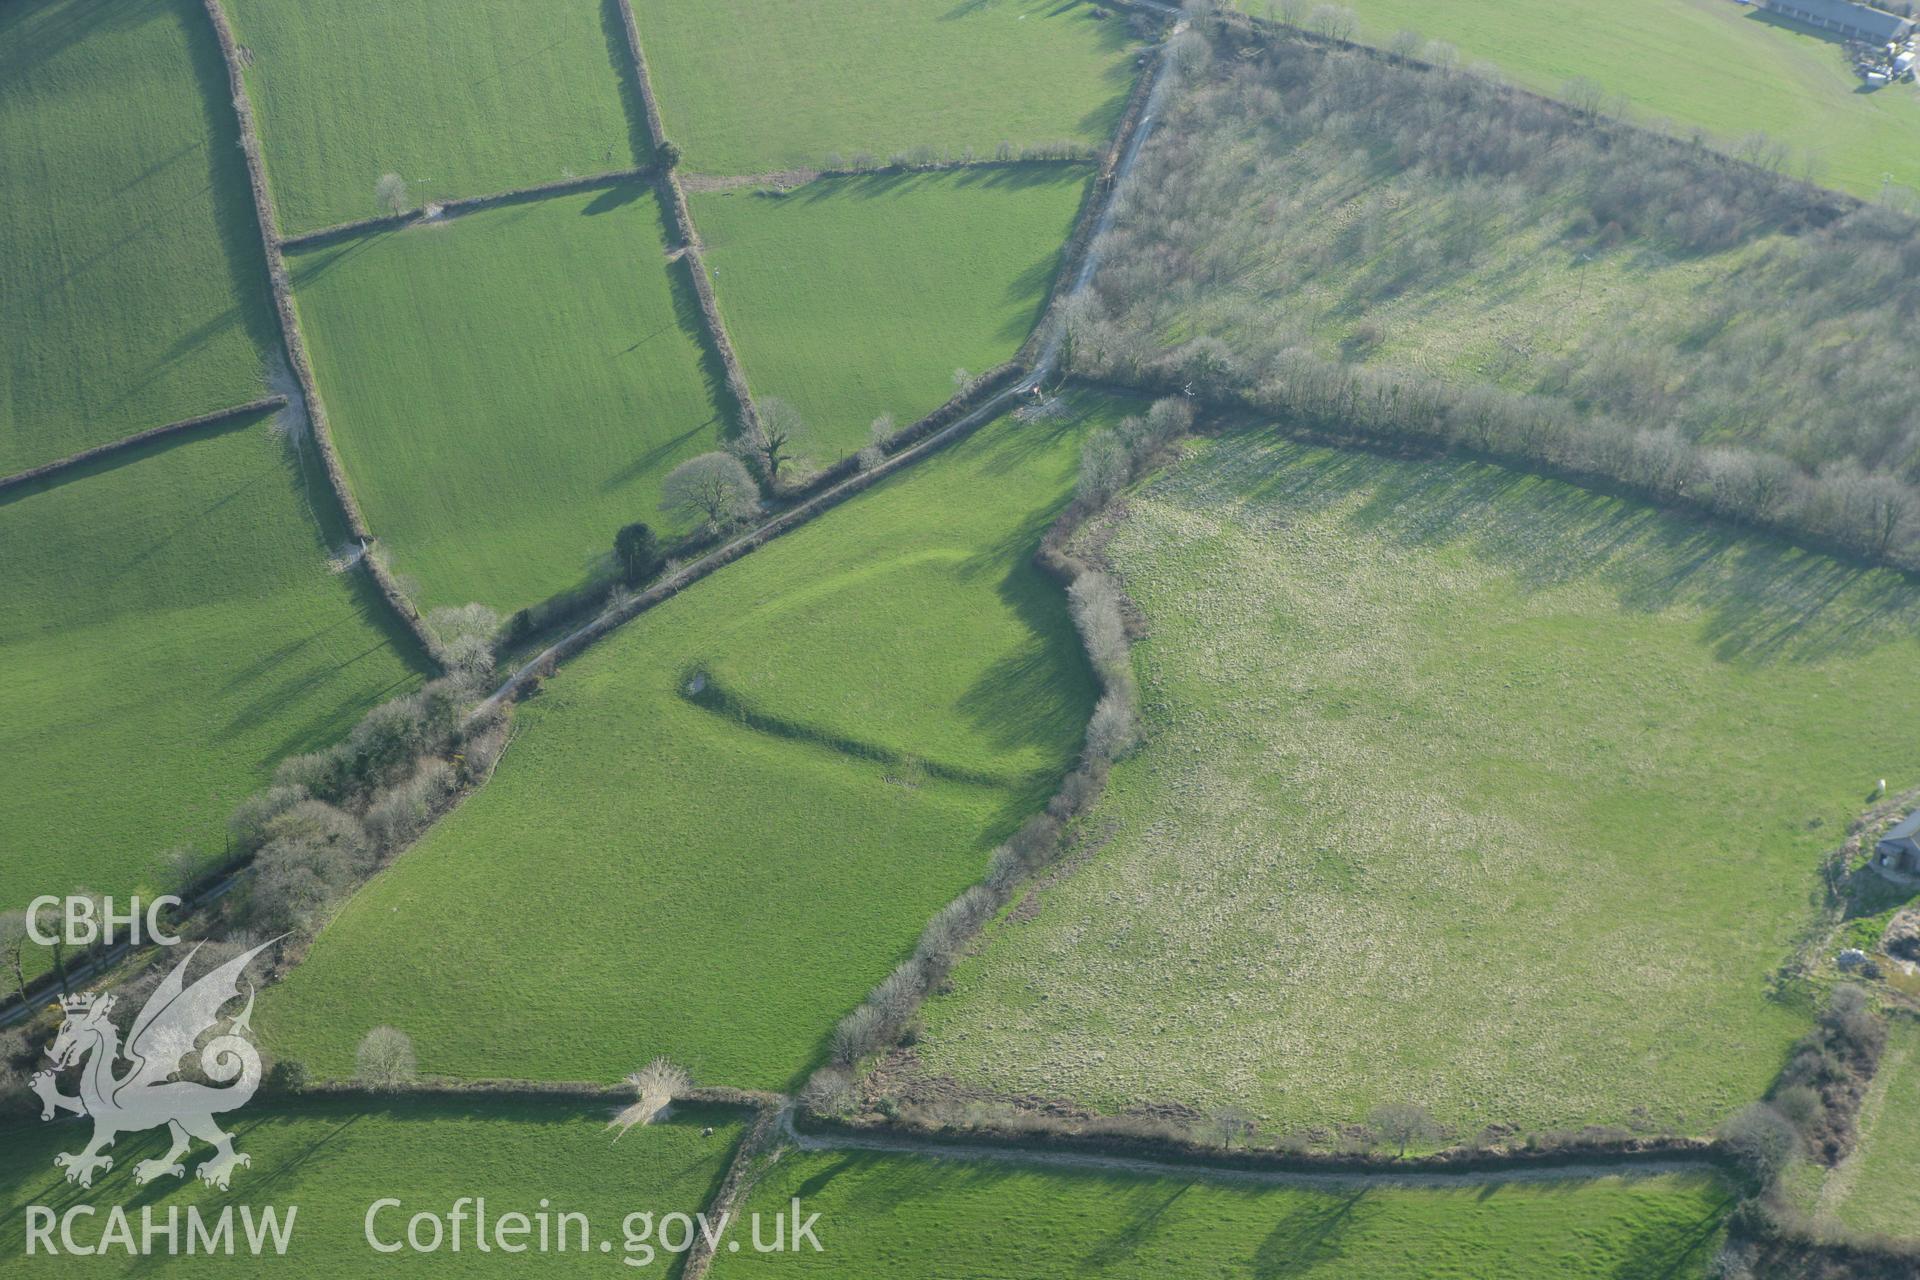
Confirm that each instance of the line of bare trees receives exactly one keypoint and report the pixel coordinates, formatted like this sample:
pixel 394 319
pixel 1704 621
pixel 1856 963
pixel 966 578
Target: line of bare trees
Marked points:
pixel 1109 461
pixel 1780 398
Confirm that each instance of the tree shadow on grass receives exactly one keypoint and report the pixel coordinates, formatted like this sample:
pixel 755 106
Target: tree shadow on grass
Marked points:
pixel 1665 1250
pixel 614 27
pixel 1147 1205
pixel 235 220
pixel 1049 672
pixel 1308 1239
pixel 1763 600
pixel 713 370
pixel 617 196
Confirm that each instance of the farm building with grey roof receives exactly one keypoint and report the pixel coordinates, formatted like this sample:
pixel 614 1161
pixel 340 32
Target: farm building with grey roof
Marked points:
pixel 1855 21
pixel 1899 849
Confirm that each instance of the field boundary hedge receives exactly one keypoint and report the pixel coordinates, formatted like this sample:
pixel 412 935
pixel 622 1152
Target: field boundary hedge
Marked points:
pixel 843 480
pixel 681 219
pixel 1098 195
pixel 735 1183
pixel 463 205
pixel 785 180
pixel 1188 1153
pixel 292 341
pixel 531 673
pixel 263 405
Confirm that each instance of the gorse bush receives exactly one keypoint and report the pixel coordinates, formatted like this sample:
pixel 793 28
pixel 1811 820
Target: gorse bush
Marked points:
pixel 1306 222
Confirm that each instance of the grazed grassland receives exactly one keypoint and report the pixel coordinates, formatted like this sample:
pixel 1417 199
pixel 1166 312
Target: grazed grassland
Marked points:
pixel 889 690
pixel 134 290
pixel 171 632
pixel 509 387
pixel 860 296
pixel 751 86
pixel 987 1220
pixel 1463 787
pixel 329 1160
pixel 458 97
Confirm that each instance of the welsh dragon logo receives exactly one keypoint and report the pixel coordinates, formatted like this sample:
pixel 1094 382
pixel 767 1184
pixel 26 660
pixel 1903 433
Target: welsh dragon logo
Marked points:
pixel 147 1094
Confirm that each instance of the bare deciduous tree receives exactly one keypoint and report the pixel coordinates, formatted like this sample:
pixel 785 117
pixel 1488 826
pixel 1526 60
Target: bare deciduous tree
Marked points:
pixel 1762 1140
pixel 13 947
pixel 1334 21
pixel 1404 1123
pixel 1583 95
pixel 1231 1124
pixel 466 634
pixel 655 1086
pixel 714 488
pixel 391 193
pixel 385 1059
pixel 775 436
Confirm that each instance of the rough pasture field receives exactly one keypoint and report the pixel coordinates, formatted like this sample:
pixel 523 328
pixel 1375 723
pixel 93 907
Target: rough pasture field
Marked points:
pixel 748 86
pixel 458 97
pixel 719 871
pixel 135 293
pixel 1875 1189
pixel 854 297
pixel 173 630
pixel 884 1215
pixel 509 387
pixel 333 1157
pixel 1728 69
pixel 1463 787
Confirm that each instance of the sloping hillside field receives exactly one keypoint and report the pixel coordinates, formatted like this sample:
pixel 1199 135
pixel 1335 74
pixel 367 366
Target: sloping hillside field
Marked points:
pixel 861 296
pixel 173 631
pixel 132 290
pixel 509 387
pixel 717 868
pixel 1464 788
pixel 752 86
pixel 457 97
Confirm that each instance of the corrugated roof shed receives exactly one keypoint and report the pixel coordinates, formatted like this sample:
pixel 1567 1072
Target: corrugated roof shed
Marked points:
pixel 1906 829
pixel 1874 23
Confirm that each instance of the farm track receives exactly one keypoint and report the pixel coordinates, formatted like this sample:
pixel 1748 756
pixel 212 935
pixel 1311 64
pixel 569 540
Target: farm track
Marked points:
pixel 291 338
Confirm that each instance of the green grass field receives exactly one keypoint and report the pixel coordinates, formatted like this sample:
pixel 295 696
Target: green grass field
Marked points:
pixel 330 1159
pixel 720 880
pixel 1876 1188
pixel 458 97
pixel 510 387
pixel 135 293
pixel 749 86
pixel 884 1215
pixel 172 631
pixel 1464 787
pixel 1729 69
pixel 860 296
